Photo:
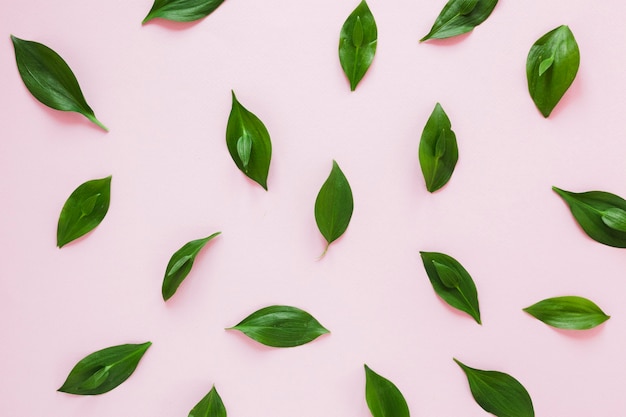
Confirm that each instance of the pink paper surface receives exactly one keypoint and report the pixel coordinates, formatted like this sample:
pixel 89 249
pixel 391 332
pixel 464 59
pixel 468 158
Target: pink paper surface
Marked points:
pixel 164 91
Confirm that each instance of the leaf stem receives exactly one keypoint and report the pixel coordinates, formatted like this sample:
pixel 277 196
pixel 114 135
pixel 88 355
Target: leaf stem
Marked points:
pixel 92 117
pixel 324 253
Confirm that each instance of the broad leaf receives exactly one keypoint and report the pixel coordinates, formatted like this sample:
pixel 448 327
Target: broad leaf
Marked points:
pixel 498 393
pixel 452 282
pixel 84 210
pixel 182 10
pixel 209 406
pixel 281 326
pixel 438 151
pixel 383 398
pixel 569 312
pixel 249 143
pixel 180 265
pixel 357 43
pixel 460 16
pixel 551 67
pixel 49 79
pixel 104 370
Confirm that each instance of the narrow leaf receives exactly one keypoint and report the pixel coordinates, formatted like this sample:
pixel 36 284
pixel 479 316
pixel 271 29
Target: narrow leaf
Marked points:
pixel 334 205
pixel 438 150
pixel 452 282
pixel 209 406
pixel 498 393
pixel 281 326
pixel 49 79
pixel 597 213
pixel 182 10
pixel 104 370
pixel 569 312
pixel 551 67
pixel 357 43
pixel 84 210
pixel 253 155
pixel 180 265
pixel 383 398
pixel 460 16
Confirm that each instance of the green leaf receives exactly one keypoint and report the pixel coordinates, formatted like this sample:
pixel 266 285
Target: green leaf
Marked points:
pixel 182 10
pixel 498 393
pixel 281 326
pixel 599 214
pixel 438 151
pixel 383 398
pixel 253 159
pixel 180 265
pixel 357 43
pixel 84 210
pixel 334 206
pixel 49 79
pixel 104 370
pixel 460 16
pixel 209 406
pixel 551 67
pixel 452 282
pixel 569 312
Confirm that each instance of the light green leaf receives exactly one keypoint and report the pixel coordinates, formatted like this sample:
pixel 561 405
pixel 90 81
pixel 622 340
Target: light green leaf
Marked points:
pixel 383 398
pixel 448 276
pixel 438 150
pixel 209 406
pixel 357 43
pixel 460 16
pixel 615 218
pixel 182 10
pixel 569 312
pixel 244 148
pixel 545 65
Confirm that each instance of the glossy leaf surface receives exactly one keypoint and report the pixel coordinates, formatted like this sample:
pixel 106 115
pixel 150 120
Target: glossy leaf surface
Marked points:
pixel 249 143
pixel 281 326
pixel 438 151
pixel 600 214
pixel 498 393
pixel 459 17
pixel 104 370
pixel 84 210
pixel 569 312
pixel 452 282
pixel 182 10
pixel 49 79
pixel 357 43
pixel 551 67
pixel 209 406
pixel 180 265
pixel 383 398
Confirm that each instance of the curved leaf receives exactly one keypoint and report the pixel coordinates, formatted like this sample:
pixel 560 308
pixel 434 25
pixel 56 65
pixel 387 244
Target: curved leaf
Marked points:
pixel 249 143
pixel 104 370
pixel 281 326
pixel 49 79
pixel 438 151
pixel 551 67
pixel 498 393
pixel 460 16
pixel 383 398
pixel 209 406
pixel 182 10
pixel 357 43
pixel 334 206
pixel 599 214
pixel 452 282
pixel 180 265
pixel 569 312
pixel 84 210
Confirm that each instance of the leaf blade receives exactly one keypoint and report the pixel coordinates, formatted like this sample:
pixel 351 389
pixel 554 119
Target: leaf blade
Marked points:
pixel 182 10
pixel 383 398
pixel 568 312
pixel 438 150
pixel 358 39
pixel 458 17
pixel 209 406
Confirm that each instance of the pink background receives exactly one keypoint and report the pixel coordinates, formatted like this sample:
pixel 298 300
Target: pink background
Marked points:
pixel 164 91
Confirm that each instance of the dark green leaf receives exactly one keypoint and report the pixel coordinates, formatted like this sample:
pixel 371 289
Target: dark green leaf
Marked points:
pixel 180 264
pixel 551 67
pixel 182 10
pixel 498 393
pixel 104 370
pixel 84 210
pixel 569 312
pixel 438 151
pixel 599 214
pixel 460 16
pixel 49 79
pixel 281 326
pixel 253 155
pixel 334 206
pixel 209 406
pixel 357 43
pixel 452 282
pixel 383 398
